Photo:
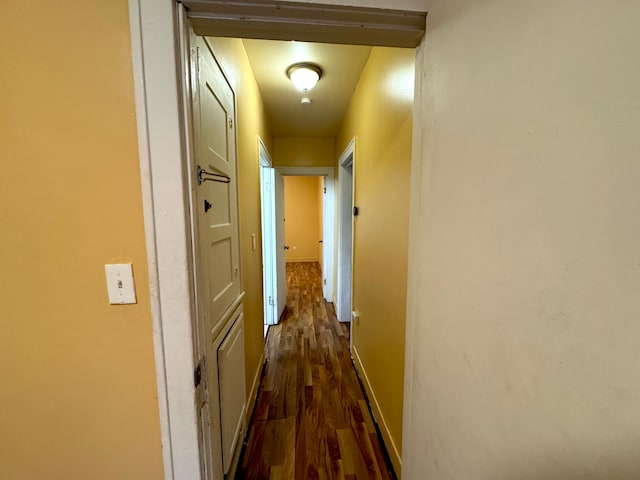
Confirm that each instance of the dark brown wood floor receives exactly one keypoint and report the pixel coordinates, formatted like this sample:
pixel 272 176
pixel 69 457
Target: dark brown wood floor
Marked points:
pixel 311 419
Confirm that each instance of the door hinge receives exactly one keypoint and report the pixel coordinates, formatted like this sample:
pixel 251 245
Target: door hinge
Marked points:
pixel 231 123
pixel 324 281
pixel 325 189
pixel 271 301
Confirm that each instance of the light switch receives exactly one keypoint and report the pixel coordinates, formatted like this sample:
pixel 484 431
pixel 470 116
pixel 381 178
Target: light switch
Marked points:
pixel 120 284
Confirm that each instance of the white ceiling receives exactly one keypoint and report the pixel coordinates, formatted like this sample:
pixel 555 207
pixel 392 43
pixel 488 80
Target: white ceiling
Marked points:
pixel 341 65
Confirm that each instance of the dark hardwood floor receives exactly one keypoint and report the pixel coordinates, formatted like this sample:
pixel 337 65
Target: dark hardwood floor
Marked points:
pixel 311 419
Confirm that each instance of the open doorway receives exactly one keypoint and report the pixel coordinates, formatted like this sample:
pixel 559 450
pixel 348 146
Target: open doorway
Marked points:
pixel 308 236
pixel 157 54
pixel 273 244
pixel 303 213
pixel 319 235
pixel 345 234
pixel 273 300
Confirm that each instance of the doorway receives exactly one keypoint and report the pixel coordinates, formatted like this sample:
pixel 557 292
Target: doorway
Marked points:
pixel 327 248
pixel 273 257
pixel 345 233
pixel 303 214
pixel 160 114
pixel 269 244
pixel 277 248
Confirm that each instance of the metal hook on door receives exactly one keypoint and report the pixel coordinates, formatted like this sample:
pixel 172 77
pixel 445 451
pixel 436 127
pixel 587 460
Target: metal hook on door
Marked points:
pixel 202 176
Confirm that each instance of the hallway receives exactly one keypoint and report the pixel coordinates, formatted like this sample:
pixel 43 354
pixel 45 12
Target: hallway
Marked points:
pixel 311 419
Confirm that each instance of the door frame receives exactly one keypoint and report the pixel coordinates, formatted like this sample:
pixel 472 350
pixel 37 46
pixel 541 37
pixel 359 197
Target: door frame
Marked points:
pixel 267 215
pixel 346 224
pixel 328 222
pixel 158 51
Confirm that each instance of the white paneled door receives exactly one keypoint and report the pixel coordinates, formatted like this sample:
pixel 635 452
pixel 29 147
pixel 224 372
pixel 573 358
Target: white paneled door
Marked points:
pixel 281 267
pixel 216 196
pixel 219 375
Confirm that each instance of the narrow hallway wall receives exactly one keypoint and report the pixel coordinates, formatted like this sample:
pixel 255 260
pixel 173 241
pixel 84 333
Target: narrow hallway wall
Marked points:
pixel 251 124
pixel 78 395
pixel 523 327
pixel 380 117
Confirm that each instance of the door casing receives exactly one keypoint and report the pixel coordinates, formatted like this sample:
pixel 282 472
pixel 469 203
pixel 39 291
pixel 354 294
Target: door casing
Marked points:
pixel 328 222
pixel 279 258
pixel 346 224
pixel 267 207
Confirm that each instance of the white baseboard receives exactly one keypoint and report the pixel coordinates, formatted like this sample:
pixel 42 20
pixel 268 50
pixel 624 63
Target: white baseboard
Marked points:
pixel 392 449
pixel 302 259
pixel 253 394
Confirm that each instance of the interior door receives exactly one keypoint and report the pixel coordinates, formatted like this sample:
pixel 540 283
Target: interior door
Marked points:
pixel 269 273
pixel 216 196
pixel 232 392
pixel 345 242
pixel 216 238
pixel 281 267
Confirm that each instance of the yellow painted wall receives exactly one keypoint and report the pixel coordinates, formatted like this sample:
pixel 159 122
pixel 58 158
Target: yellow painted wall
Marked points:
pixel 320 216
pixel 527 271
pixel 380 117
pixel 303 152
pixel 301 213
pixel 251 124
pixel 77 375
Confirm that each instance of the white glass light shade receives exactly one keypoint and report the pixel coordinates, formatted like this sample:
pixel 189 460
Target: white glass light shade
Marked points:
pixel 304 76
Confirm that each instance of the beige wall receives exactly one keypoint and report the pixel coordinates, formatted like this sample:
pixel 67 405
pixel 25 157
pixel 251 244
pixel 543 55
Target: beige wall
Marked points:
pixel 251 124
pixel 379 116
pixel 525 347
pixel 303 152
pixel 301 213
pixel 78 395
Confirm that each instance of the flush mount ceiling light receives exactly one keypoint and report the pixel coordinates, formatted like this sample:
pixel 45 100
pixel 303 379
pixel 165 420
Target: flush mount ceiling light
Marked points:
pixel 304 76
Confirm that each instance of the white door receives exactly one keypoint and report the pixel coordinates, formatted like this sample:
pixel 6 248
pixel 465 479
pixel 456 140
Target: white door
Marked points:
pixel 327 239
pixel 269 272
pixel 232 392
pixel 345 240
pixel 216 195
pixel 216 239
pixel 280 260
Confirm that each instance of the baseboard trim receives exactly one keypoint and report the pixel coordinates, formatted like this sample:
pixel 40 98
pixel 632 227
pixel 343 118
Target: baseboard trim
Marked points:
pixel 302 259
pixel 392 449
pixel 253 395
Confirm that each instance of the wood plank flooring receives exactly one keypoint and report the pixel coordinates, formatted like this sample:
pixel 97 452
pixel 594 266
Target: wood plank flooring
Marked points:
pixel 311 419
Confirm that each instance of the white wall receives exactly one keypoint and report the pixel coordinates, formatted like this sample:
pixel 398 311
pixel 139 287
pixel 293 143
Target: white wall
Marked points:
pixel 523 337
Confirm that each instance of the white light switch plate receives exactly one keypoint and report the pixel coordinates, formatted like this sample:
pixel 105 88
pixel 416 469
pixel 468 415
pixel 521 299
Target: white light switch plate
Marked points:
pixel 120 284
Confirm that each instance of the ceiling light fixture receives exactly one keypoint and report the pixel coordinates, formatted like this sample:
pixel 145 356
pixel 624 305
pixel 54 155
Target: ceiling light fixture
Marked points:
pixel 304 75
